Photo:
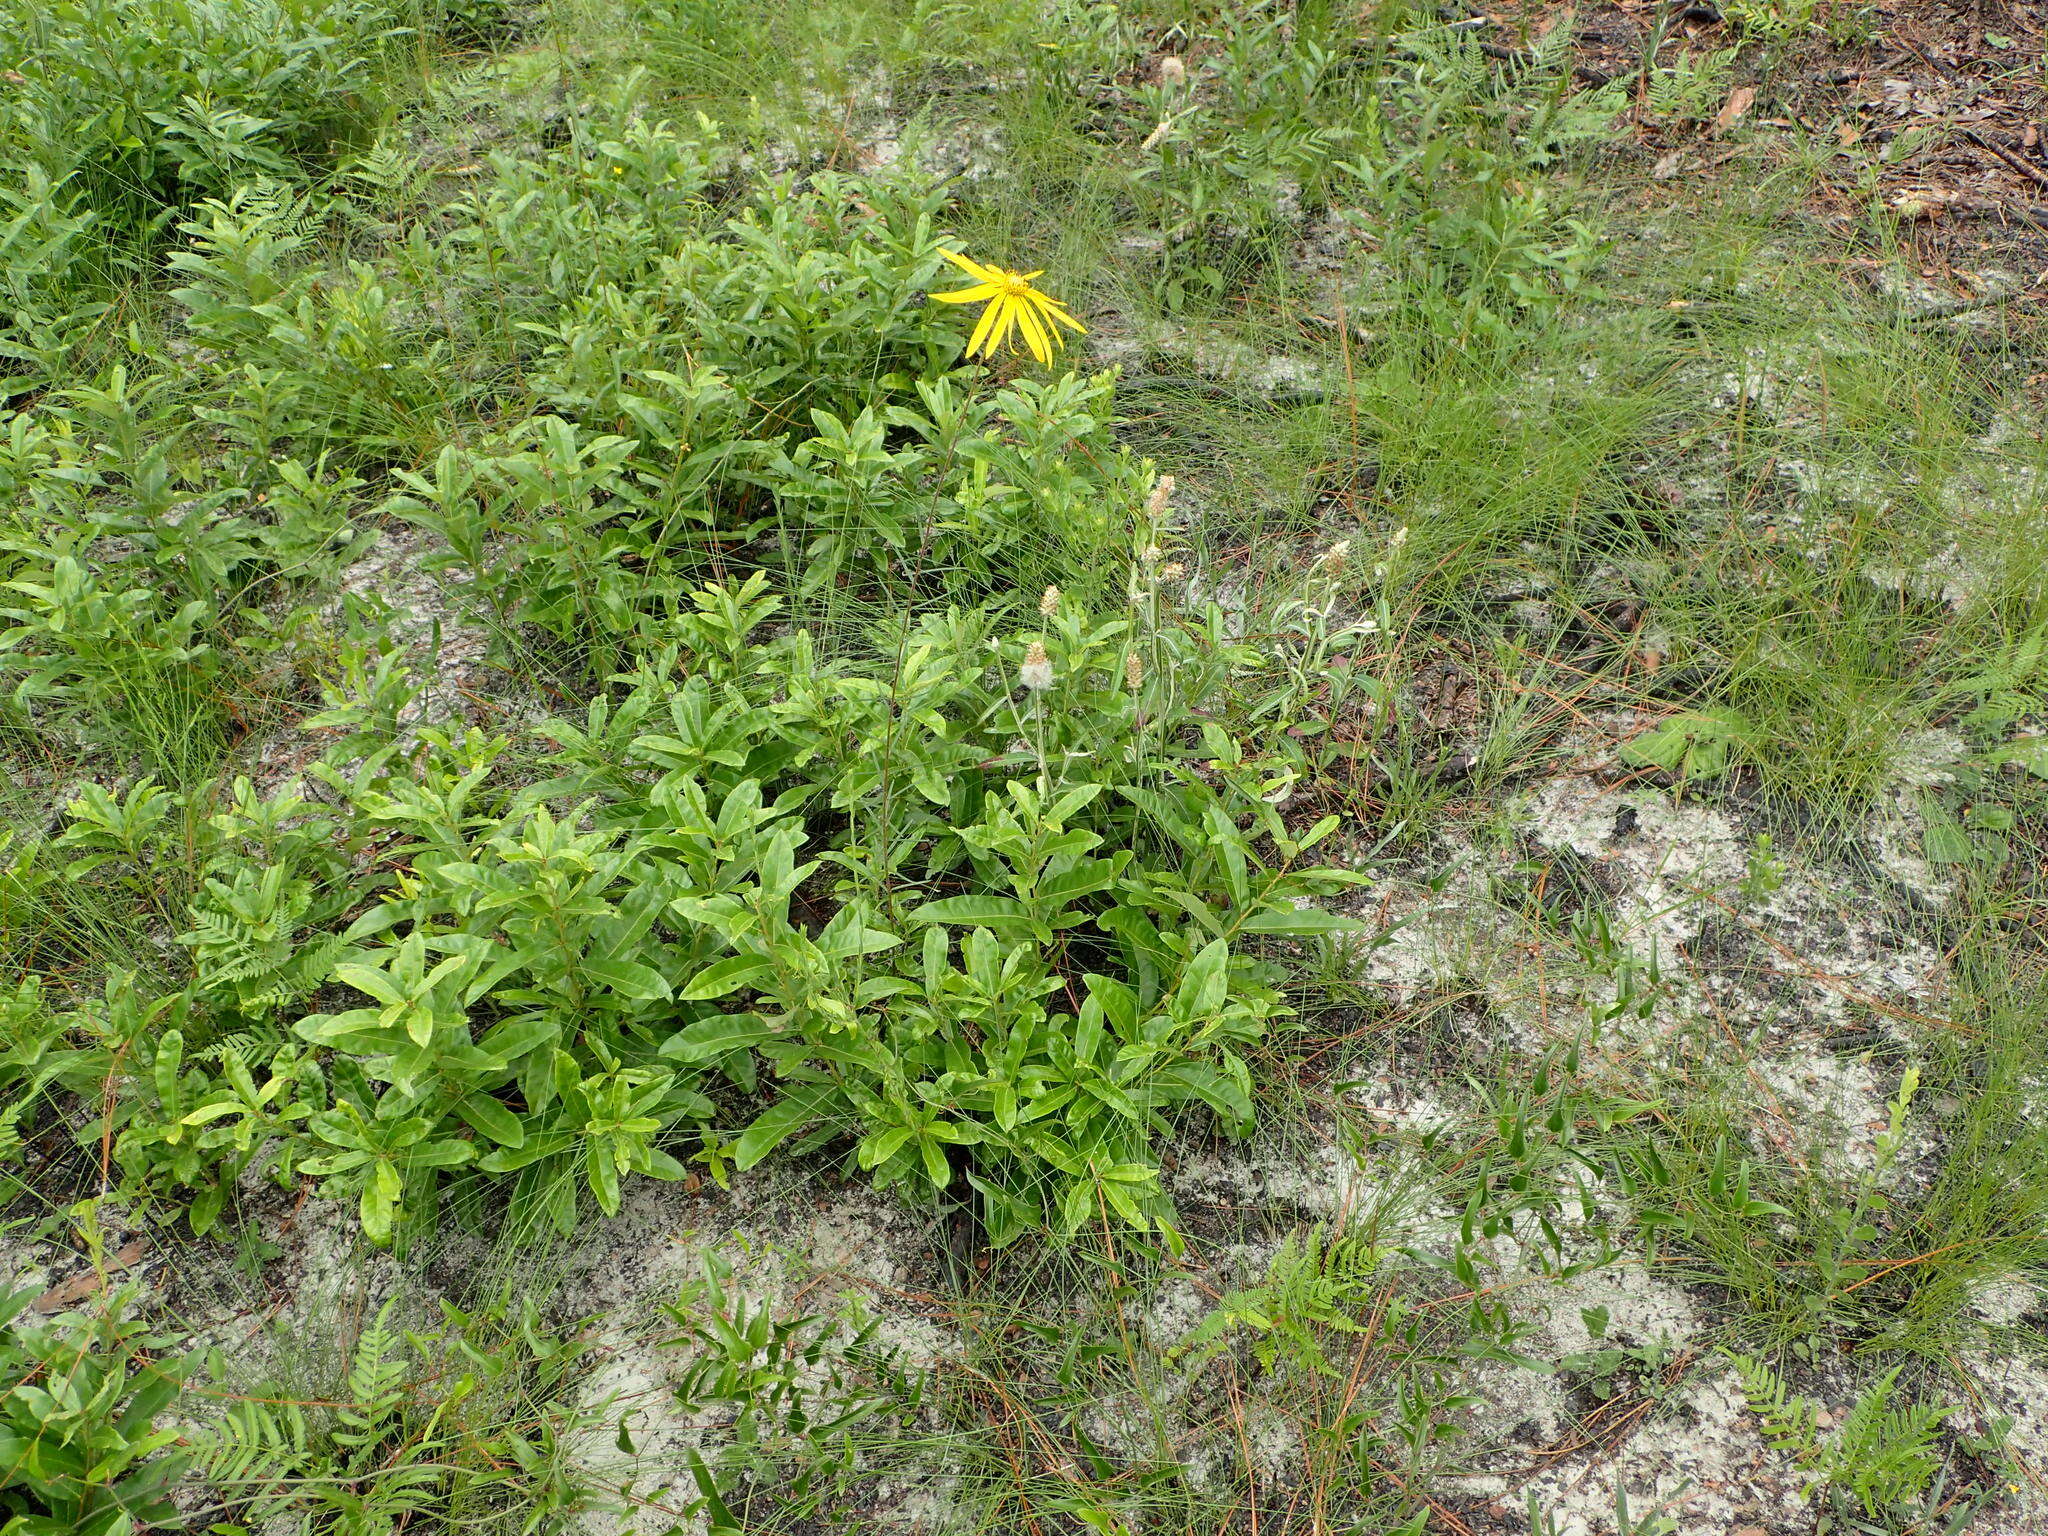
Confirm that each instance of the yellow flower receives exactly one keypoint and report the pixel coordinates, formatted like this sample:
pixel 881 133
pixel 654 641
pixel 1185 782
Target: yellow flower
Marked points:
pixel 1012 304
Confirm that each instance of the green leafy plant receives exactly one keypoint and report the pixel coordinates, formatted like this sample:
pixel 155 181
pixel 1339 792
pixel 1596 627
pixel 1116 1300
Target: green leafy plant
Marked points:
pixel 465 1421
pixel 549 990
pixel 1611 1366
pixel 789 1394
pixel 74 643
pixel 81 1452
pixel 1883 1455
pixel 1315 1283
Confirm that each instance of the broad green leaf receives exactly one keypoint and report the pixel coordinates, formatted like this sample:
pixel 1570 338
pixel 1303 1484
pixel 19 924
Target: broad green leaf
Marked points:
pixel 1206 982
pixel 936 1168
pixel 716 1035
pixel 1696 745
pixel 1129 1173
pixel 1946 843
pixel 777 1123
pixel 445 1153
pixel 490 1118
pixel 1089 876
pixel 850 934
pixel 1078 1206
pixel 602 1171
pixel 207 1113
pixel 1302 922
pixel 380 1202
pixel 878 1147
pixel 516 1038
pixel 976 911
pixel 724 977
pixel 2030 752
pixel 1115 1098
pixel 641 983
pixel 1088 1031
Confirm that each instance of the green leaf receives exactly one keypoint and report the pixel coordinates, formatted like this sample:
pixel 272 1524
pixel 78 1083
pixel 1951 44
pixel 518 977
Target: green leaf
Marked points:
pixel 1084 879
pixel 207 1113
pixel 516 1038
pixel 716 1035
pixel 721 1519
pixel 1302 922
pixel 602 1171
pixel 1946 843
pixel 380 1202
pixel 641 983
pixel 444 1153
pixel 1696 744
pixel 1206 982
pixel 1108 1093
pixel 1213 1087
pixel 975 911
pixel 849 934
pixel 724 977
pixel 879 1146
pixel 1088 1031
pixel 777 1123
pixel 2030 752
pixel 1130 1173
pixel 490 1118
pixel 1078 1206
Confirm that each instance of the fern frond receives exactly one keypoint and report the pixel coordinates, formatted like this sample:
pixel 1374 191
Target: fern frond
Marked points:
pixel 376 1384
pixel 1885 1455
pixel 1787 1421
pixel 256 1442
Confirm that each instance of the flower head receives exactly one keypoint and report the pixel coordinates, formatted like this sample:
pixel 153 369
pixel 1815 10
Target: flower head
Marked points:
pixel 1013 304
pixel 1162 492
pixel 1036 673
pixel 1049 604
pixel 1134 671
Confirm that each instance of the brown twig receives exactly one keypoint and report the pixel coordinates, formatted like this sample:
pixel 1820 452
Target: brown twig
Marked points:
pixel 2031 172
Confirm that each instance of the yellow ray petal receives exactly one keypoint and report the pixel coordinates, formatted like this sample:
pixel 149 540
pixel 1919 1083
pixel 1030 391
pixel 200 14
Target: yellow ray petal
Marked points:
pixel 1011 308
pixel 1034 332
pixel 969 295
pixel 1064 318
pixel 985 331
pixel 973 269
pixel 1053 338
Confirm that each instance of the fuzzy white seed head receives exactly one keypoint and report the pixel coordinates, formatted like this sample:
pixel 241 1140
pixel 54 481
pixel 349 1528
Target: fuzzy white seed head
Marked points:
pixel 1036 673
pixel 1173 570
pixel 1171 70
pixel 1134 671
pixel 1049 603
pixel 1162 492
